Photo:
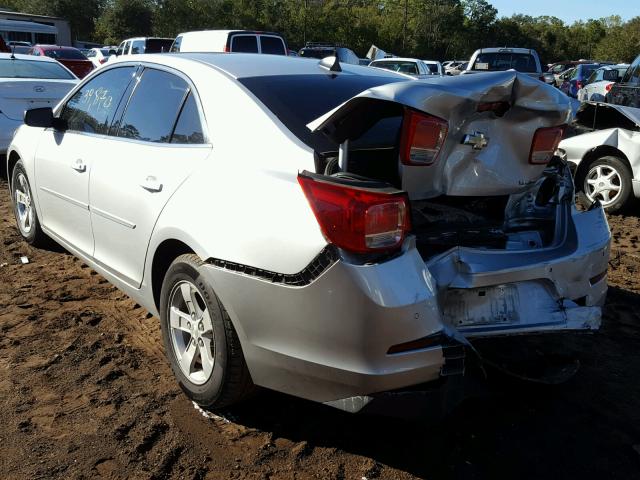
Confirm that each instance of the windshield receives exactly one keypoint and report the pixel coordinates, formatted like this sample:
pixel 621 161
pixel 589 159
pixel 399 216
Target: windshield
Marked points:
pixel 65 54
pixel 500 61
pixel 403 67
pixel 33 69
pixel 299 99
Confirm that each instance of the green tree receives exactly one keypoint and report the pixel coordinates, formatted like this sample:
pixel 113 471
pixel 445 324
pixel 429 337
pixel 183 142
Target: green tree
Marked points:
pixel 125 18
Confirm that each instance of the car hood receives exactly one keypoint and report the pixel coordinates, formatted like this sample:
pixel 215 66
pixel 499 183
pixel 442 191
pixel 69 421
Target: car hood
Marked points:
pixel 501 167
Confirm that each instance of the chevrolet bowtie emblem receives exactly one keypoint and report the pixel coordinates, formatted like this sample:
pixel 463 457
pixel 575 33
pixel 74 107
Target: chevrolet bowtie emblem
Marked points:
pixel 476 139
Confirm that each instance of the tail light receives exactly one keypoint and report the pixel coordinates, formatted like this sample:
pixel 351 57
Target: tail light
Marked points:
pixel 226 49
pixel 608 87
pixel 578 84
pixel 355 219
pixel 103 60
pixel 545 142
pixel 422 138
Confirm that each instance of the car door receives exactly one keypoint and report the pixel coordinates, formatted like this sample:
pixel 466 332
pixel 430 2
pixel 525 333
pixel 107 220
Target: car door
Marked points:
pixel 64 159
pixel 159 142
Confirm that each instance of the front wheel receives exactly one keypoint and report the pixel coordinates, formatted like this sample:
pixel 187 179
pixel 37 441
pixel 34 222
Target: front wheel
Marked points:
pixel 24 209
pixel 199 339
pixel 607 179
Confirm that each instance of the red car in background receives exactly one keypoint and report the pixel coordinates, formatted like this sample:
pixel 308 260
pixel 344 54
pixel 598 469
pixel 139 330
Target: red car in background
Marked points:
pixel 70 57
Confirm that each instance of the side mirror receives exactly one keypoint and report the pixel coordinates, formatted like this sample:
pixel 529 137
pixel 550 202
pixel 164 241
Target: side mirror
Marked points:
pixel 39 117
pixel 43 118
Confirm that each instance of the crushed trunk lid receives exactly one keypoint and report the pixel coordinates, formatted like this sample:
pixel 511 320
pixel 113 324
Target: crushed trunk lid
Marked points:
pixel 500 167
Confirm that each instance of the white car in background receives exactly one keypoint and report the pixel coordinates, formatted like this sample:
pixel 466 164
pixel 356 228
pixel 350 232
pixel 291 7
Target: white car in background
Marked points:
pixel 435 67
pixel 28 82
pixel 600 82
pixel 524 60
pixel 327 231
pixel 607 156
pixel 99 56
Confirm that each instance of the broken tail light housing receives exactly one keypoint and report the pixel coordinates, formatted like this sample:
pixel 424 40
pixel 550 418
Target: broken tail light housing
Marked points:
pixel 545 142
pixel 356 219
pixel 422 138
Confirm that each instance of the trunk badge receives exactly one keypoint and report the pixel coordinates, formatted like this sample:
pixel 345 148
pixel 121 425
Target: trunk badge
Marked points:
pixel 38 89
pixel 476 139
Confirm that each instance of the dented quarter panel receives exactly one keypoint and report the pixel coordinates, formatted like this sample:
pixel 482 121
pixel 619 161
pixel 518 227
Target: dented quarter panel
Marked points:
pixel 502 167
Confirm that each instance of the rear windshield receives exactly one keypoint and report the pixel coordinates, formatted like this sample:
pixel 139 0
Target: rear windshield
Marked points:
pixel 317 52
pixel 499 61
pixel 157 45
pixel 33 69
pixel 588 69
pixel 403 67
pixel 299 99
pixel 65 54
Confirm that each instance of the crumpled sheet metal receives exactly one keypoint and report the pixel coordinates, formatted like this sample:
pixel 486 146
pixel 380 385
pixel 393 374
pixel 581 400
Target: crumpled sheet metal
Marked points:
pixel 500 168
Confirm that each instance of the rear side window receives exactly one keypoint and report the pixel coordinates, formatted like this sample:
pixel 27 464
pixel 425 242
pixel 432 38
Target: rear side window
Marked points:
pixel 500 61
pixel 154 107
pixel 272 45
pixel 244 43
pixel 157 45
pixel 91 109
pixel 188 128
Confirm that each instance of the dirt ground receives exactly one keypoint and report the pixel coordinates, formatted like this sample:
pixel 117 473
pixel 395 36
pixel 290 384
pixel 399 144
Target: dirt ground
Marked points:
pixel 85 392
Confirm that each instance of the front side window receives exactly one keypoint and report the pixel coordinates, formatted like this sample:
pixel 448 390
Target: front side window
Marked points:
pixel 244 44
pixel 154 107
pixel 33 69
pixel 272 45
pixel 92 107
pixel 137 47
pixel 176 44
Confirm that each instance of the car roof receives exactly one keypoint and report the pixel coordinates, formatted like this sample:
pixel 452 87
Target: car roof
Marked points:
pixel 431 62
pixel 505 50
pixel 32 58
pixel 244 65
pixel 53 47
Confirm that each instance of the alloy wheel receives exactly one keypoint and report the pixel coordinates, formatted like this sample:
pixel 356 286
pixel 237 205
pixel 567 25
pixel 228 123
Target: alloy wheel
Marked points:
pixel 191 332
pixel 24 205
pixel 603 183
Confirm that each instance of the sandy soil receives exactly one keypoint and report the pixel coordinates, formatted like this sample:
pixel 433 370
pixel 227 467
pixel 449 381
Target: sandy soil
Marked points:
pixel 85 392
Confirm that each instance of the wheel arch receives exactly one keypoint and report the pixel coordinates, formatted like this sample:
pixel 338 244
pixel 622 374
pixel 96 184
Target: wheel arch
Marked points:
pixel 166 252
pixel 599 152
pixel 12 160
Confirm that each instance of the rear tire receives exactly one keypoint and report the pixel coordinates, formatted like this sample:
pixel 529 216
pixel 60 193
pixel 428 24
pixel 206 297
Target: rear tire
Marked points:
pixel 200 341
pixel 607 179
pixel 24 208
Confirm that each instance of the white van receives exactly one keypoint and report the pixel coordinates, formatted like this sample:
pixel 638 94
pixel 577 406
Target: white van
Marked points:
pixel 245 41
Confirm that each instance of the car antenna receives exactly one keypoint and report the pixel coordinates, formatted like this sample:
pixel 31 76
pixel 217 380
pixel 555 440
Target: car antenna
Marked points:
pixel 336 65
pixel 13 56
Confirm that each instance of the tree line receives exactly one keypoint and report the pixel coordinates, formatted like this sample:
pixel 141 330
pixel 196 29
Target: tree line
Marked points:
pixel 429 29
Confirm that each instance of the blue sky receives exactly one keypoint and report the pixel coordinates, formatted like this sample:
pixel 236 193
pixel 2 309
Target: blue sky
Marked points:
pixel 569 10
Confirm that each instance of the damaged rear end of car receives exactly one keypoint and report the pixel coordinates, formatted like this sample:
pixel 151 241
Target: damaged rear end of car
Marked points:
pixel 448 218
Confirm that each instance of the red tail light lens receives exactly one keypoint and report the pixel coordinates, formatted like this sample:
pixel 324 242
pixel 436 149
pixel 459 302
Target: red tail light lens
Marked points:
pixel 356 219
pixel 422 138
pixel 545 142
pixel 578 84
pixel 103 60
pixel 226 49
pixel 608 87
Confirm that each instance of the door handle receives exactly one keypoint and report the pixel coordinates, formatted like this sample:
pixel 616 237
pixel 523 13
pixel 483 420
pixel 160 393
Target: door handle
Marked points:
pixel 79 166
pixel 151 184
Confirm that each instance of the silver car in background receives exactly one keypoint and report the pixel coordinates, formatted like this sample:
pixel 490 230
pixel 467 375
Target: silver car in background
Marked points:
pixel 328 231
